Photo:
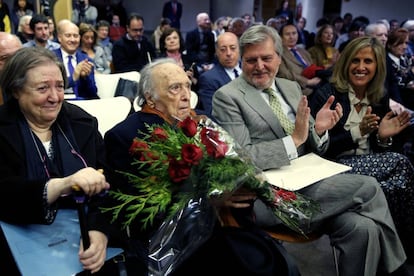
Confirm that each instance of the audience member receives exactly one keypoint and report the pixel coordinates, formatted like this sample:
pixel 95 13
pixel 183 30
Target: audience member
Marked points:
pixel 357 29
pixel 303 34
pixel 155 38
pixel 84 12
pixel 337 23
pixel 199 43
pixel 248 20
pixel 20 8
pixel 159 105
pixel 285 11
pixel 88 45
pixel 102 29
pixel 47 147
pixel 378 30
pixel 5 20
pixel 220 26
pixel 173 10
pixel 172 46
pixel 400 73
pixel 409 25
pixel 394 24
pixel 226 69
pixel 133 50
pixel 348 18
pixel 355 211
pixel 364 132
pixel 237 26
pixel 116 30
pixel 324 53
pixel 319 23
pixel 9 44
pixel 275 23
pixel 39 24
pixel 79 67
pixel 295 60
pixel 52 29
pixel 24 32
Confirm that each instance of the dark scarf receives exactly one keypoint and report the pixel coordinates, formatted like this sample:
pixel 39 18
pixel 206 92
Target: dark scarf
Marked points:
pixel 66 159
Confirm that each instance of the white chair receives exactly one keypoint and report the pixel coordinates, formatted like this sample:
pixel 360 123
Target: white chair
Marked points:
pixel 108 112
pixel 107 83
pixel 193 101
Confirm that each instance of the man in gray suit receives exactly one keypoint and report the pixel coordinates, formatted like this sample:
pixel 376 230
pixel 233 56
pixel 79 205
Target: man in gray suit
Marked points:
pixel 355 212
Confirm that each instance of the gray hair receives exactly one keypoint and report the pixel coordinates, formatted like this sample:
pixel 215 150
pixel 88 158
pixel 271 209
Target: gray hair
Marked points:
pixel 14 75
pixel 146 86
pixel 259 33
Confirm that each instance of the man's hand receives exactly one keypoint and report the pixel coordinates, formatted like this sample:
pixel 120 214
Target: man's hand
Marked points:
pixel 326 118
pixel 301 131
pixel 82 69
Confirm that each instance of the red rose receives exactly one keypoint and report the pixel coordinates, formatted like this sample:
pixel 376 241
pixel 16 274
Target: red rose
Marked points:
pixel 191 153
pixel 286 195
pixel 178 170
pixel 215 148
pixel 189 127
pixel 138 147
pixel 159 134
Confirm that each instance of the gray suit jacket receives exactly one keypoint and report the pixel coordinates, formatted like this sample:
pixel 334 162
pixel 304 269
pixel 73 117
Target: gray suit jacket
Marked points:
pixel 242 111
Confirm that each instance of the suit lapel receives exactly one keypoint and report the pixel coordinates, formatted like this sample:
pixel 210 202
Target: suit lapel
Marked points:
pixel 257 103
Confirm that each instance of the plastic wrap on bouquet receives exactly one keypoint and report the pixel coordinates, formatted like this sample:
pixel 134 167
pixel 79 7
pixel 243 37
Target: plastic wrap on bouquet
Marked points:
pixel 179 236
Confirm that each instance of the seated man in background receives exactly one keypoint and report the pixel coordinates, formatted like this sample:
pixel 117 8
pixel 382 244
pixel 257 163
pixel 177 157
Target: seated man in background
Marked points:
pixel 39 24
pixel 270 118
pixel 9 44
pixel 227 69
pixel 79 67
pixel 295 60
pixel 133 50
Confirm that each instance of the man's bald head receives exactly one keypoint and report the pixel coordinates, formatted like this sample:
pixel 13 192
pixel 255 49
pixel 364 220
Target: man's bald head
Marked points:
pixel 9 44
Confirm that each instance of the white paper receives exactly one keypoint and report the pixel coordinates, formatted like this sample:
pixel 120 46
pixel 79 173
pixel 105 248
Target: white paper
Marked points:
pixel 304 171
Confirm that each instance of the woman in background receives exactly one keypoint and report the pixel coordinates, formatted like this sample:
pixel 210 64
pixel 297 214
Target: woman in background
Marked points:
pixel 172 46
pixel 89 46
pixel 324 53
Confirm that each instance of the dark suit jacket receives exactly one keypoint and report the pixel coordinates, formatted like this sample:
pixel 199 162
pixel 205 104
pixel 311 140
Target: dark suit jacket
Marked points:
pixel 241 110
pixel 208 84
pixel 85 86
pixel 192 45
pixel 127 57
pixel 167 12
pixel 13 171
pixel 340 138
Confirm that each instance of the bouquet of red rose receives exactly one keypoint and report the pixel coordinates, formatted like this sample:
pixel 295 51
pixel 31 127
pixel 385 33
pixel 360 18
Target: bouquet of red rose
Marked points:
pixel 182 169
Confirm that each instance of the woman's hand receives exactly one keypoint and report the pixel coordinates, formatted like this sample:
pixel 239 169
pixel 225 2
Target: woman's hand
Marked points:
pixel 93 258
pixel 369 122
pixel 393 124
pixel 91 182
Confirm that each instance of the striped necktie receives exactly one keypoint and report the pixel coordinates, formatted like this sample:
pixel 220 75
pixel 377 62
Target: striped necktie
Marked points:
pixel 275 105
pixel 298 57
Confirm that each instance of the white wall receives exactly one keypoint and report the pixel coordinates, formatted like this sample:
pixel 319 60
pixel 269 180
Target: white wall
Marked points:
pixel 373 9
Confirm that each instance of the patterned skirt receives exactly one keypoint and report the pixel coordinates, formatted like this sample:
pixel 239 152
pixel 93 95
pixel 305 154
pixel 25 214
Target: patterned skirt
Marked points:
pixel 395 173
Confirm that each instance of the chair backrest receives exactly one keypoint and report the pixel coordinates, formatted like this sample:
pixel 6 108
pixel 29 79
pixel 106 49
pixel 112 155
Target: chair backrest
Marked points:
pixel 108 111
pixel 107 83
pixel 193 101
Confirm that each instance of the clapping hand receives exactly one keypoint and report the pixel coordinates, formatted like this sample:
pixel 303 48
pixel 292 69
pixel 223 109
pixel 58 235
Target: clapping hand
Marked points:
pixel 326 118
pixel 393 124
